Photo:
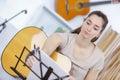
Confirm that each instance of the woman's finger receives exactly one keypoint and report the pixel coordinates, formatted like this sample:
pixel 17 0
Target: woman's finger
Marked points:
pixel 30 61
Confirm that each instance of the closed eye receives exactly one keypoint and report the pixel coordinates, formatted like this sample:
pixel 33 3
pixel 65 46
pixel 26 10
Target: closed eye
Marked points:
pixel 96 28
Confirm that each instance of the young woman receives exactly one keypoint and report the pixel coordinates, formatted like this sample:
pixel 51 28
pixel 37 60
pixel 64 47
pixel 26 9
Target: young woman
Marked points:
pixel 78 45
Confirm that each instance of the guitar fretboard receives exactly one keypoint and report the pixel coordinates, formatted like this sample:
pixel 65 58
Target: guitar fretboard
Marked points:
pixel 83 5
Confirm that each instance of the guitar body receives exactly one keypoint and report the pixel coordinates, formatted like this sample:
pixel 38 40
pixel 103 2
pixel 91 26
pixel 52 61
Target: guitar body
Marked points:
pixel 73 8
pixel 68 9
pixel 63 61
pixel 15 47
pixel 26 37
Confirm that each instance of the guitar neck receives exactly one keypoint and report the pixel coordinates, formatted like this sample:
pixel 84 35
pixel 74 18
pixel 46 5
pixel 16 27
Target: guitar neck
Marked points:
pixel 94 3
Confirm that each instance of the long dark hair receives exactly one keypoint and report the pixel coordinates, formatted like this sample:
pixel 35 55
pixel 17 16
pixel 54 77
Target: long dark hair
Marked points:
pixel 98 13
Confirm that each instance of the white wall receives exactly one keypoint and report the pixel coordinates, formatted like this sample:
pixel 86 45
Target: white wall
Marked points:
pixel 12 7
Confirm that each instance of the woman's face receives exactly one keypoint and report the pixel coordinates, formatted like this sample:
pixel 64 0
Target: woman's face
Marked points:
pixel 92 27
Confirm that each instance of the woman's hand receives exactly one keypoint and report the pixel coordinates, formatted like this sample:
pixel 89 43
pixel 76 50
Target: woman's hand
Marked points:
pixel 30 60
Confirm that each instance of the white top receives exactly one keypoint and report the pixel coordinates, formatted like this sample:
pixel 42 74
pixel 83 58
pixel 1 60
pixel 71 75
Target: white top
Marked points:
pixel 80 68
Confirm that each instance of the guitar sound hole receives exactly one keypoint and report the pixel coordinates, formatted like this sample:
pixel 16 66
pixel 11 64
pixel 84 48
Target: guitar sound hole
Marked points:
pixel 79 5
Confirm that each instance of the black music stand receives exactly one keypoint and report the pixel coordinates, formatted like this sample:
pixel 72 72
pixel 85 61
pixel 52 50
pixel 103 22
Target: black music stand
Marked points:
pixel 43 75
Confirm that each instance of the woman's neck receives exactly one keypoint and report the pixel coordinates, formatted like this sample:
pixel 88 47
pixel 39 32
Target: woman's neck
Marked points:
pixel 82 42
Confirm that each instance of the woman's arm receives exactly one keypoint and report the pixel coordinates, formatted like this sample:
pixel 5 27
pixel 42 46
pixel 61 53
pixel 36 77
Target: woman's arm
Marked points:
pixel 52 43
pixel 49 46
pixel 92 75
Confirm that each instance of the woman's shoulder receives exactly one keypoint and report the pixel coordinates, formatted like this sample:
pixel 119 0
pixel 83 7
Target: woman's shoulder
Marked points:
pixel 98 49
pixel 98 59
pixel 99 52
pixel 65 34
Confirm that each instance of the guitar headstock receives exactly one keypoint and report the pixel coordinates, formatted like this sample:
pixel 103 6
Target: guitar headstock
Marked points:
pixel 115 1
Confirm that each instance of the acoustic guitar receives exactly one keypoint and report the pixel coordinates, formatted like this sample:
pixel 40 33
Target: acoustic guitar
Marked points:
pixel 68 9
pixel 26 38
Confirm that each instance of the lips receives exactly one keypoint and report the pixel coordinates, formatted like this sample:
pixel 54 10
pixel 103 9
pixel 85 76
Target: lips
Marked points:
pixel 86 33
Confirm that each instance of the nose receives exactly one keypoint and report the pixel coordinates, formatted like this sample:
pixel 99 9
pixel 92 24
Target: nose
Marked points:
pixel 89 28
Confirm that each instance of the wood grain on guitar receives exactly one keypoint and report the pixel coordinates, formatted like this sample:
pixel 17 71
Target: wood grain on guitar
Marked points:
pixel 63 61
pixel 68 9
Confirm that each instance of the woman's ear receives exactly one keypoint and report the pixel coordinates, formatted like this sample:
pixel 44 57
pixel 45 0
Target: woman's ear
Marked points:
pixel 99 35
pixel 95 38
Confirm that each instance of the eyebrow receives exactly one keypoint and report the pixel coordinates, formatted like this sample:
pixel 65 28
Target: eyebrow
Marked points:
pixel 92 22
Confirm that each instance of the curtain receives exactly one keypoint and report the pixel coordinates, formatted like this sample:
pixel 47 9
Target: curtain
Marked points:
pixel 110 45
pixel 111 70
